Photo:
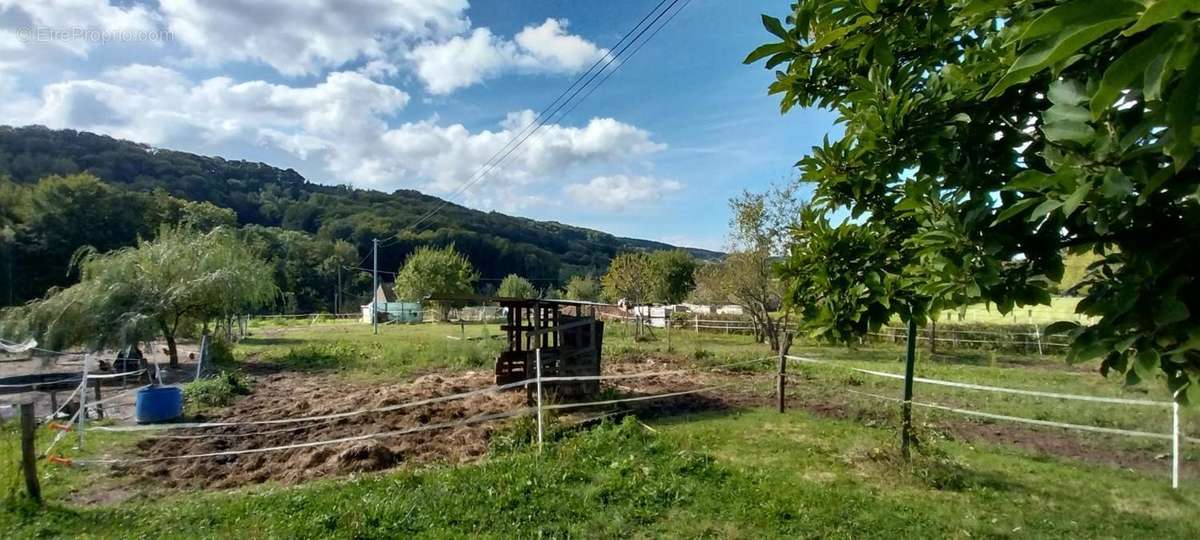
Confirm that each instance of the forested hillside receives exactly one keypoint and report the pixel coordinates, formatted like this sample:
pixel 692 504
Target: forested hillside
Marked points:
pixel 50 206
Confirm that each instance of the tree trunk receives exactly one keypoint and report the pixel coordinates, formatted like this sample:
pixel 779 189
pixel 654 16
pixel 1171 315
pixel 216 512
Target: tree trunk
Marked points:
pixel 169 335
pixel 172 351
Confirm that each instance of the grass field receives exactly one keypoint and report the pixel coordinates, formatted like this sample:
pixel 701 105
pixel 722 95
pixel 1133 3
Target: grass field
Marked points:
pixel 1061 308
pixel 827 468
pixel 750 475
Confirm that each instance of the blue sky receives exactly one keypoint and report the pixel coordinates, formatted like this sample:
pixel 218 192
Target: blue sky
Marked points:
pixel 389 94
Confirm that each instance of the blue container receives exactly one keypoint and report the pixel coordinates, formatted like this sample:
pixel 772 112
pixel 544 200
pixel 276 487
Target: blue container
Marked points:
pixel 158 404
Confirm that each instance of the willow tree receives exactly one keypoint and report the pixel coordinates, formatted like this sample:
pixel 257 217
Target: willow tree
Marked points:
pixel 156 288
pixel 983 140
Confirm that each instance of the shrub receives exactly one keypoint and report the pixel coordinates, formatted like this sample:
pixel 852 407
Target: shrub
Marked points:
pixel 218 391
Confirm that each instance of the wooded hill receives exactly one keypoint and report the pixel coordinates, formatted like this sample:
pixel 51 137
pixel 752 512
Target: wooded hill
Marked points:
pixel 302 226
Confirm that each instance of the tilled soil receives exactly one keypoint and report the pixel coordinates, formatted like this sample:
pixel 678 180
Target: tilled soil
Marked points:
pixel 297 395
pixel 290 395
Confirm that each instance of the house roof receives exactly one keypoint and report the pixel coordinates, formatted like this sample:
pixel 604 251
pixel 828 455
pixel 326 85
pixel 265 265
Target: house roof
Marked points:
pixel 389 292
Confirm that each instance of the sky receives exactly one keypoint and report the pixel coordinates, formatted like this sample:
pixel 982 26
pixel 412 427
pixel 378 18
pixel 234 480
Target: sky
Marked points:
pixel 420 94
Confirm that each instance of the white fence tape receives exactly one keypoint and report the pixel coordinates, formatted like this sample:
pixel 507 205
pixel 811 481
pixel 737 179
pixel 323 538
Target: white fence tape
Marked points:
pixel 363 437
pixel 399 406
pixel 632 399
pixel 1018 419
pixel 969 386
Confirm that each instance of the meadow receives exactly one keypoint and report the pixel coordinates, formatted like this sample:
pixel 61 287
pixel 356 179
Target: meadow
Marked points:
pixel 828 467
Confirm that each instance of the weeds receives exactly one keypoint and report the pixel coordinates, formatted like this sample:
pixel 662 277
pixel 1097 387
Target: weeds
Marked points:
pixel 218 391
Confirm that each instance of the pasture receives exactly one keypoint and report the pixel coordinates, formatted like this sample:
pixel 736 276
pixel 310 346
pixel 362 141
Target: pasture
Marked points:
pixel 720 462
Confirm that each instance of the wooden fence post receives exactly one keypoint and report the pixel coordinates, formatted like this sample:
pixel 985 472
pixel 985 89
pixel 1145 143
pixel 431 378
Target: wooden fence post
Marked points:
pixel 99 407
pixel 28 461
pixel 780 390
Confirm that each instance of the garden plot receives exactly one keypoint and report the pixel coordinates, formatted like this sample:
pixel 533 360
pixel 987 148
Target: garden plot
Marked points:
pixel 290 395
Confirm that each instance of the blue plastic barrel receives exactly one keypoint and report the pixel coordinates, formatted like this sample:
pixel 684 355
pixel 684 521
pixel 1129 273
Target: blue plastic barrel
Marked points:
pixel 158 404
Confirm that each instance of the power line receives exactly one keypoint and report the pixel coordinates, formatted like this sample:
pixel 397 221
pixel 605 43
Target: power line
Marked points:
pixel 543 119
pixel 627 58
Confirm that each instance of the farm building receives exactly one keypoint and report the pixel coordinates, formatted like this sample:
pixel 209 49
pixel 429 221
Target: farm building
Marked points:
pixel 390 308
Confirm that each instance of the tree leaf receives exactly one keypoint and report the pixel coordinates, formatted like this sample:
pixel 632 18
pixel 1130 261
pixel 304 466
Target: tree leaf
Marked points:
pixel 1181 111
pixel 1060 327
pixel 765 51
pixel 1121 73
pixel 1058 18
pixel 1016 208
pixel 1066 93
pixel 1047 206
pixel 1116 185
pixel 774 26
pixel 1076 198
pixel 1060 46
pixel 1170 310
pixel 1069 130
pixel 1160 11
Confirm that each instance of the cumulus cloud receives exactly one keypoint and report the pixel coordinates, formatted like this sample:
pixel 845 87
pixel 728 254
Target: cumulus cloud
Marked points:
pixel 462 61
pixel 299 38
pixel 618 192
pixel 338 126
pixel 33 34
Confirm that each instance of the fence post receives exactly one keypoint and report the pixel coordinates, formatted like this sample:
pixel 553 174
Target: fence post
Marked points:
pixel 200 358
pixel 668 323
pixel 99 407
pixel 909 366
pixel 781 388
pixel 697 322
pixel 83 401
pixel 932 338
pixel 538 359
pixel 28 461
pixel 1175 445
pixel 1037 333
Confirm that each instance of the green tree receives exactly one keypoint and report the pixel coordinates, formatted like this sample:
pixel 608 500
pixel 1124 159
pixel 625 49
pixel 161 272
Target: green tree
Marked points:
pixel 514 286
pixel 583 288
pixel 156 288
pixel 674 275
pixel 983 140
pixel 630 277
pixel 436 271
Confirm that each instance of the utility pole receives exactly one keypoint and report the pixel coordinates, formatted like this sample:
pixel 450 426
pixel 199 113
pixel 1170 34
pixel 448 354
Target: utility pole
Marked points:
pixel 375 286
pixel 337 295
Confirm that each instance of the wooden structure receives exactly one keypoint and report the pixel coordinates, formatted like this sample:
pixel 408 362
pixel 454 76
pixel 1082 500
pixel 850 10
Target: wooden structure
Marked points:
pixel 570 337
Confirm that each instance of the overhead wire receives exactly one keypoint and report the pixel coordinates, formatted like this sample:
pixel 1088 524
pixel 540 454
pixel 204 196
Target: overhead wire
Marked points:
pixel 541 120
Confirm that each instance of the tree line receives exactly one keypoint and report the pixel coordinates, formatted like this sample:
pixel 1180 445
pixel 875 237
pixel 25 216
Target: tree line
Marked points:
pixel 307 223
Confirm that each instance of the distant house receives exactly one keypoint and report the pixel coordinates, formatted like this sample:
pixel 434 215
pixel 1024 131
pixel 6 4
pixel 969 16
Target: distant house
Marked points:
pixel 731 309
pixel 390 308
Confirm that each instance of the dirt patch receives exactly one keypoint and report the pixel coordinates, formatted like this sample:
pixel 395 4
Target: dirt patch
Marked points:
pixel 293 395
pixel 289 395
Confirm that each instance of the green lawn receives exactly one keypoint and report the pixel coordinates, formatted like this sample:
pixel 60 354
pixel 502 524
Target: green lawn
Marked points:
pixel 1061 308
pixel 739 474
pixel 750 475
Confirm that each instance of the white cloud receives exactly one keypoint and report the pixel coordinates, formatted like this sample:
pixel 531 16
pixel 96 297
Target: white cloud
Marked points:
pixel 339 128
pixel 36 33
pixel 305 37
pixel 555 50
pixel 463 61
pixel 160 106
pixel 618 192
